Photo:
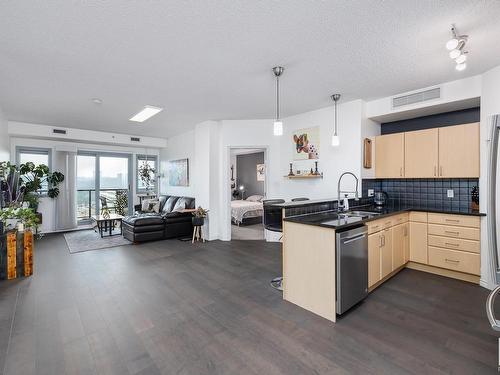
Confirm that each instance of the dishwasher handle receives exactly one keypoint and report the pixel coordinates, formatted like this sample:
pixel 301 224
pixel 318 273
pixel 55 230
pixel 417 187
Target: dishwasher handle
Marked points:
pixel 353 238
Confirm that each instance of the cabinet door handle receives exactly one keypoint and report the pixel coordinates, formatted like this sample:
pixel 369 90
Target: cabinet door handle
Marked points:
pixel 401 171
pixel 383 240
pixel 435 170
pixel 451 244
pixel 452 220
pixel 451 260
pixel 441 170
pixel 452 232
pixel 380 241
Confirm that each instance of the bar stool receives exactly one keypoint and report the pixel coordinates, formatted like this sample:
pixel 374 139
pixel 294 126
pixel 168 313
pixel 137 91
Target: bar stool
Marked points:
pixel 273 222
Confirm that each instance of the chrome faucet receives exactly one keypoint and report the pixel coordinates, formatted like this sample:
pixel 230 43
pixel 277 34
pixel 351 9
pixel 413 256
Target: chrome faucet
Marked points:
pixel 345 206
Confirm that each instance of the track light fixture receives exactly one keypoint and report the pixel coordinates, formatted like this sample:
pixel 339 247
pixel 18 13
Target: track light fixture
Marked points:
pixel 456 47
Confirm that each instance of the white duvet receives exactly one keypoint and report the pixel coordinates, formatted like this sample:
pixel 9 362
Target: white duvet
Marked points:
pixel 241 209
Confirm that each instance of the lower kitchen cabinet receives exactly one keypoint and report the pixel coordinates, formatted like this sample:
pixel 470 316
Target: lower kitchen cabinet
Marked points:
pixel 374 245
pixel 400 245
pixel 386 252
pixel 418 242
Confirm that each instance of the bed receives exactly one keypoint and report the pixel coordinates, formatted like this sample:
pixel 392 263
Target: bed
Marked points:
pixel 242 210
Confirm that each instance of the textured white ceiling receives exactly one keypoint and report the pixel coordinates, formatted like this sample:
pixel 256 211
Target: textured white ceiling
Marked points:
pixel 209 59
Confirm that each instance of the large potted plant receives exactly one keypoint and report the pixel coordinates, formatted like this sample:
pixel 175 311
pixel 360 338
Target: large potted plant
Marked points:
pixel 23 184
pixel 146 175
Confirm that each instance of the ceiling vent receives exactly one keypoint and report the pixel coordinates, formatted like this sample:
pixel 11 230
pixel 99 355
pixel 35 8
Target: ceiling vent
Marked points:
pixel 135 139
pixel 416 97
pixel 58 131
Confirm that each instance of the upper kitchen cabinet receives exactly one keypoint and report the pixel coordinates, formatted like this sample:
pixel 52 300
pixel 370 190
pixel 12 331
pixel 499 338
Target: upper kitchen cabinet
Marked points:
pixel 421 153
pixel 389 156
pixel 459 151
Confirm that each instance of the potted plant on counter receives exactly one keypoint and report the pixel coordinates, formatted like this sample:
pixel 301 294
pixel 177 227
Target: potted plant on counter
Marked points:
pixel 199 216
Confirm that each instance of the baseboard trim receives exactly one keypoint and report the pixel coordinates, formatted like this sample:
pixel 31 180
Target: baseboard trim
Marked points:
pixel 444 272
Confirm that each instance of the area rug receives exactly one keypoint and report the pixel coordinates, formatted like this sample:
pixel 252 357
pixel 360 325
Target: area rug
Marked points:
pixel 87 240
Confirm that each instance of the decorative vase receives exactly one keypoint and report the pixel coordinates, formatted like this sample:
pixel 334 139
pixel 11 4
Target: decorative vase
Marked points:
pixel 198 221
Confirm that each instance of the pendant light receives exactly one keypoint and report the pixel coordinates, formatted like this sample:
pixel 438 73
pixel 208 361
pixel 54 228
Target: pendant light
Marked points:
pixel 335 137
pixel 278 124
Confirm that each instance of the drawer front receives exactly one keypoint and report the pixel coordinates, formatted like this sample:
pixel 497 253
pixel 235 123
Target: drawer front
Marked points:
pixel 456 220
pixel 454 260
pixel 400 219
pixel 455 232
pixel 420 217
pixel 455 244
pixel 375 226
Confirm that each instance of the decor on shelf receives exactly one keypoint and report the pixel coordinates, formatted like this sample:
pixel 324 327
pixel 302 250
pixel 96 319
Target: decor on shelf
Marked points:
pixel 199 216
pixel 178 172
pixel 474 195
pixel 306 143
pixel 456 46
pixel 261 172
pixel 316 172
pixel 278 123
pixel 367 153
pixel 290 172
pixel 335 137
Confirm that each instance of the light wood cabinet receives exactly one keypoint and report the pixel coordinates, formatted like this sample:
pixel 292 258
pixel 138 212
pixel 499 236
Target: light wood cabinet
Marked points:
pixel 446 152
pixel 374 271
pixel 418 242
pixel 386 252
pixel 459 151
pixel 460 261
pixel 389 156
pixel 400 245
pixel 421 153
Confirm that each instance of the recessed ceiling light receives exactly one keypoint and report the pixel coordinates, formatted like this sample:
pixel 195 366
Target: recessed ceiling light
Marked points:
pixel 147 112
pixel 96 101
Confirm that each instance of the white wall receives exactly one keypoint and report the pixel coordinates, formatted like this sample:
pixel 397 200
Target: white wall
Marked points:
pixel 490 105
pixel 179 147
pixel 4 138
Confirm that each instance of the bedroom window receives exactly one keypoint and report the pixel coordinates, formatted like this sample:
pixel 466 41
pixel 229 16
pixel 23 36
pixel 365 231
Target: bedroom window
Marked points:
pixel 151 161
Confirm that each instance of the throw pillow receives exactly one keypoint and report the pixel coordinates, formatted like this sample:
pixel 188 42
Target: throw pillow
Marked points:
pixel 151 205
pixel 179 206
pixel 255 198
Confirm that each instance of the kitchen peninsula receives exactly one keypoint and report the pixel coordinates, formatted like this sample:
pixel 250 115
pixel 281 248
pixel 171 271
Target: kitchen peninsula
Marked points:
pixel 440 241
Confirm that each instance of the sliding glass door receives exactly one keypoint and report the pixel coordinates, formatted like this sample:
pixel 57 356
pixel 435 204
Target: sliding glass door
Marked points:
pixel 103 180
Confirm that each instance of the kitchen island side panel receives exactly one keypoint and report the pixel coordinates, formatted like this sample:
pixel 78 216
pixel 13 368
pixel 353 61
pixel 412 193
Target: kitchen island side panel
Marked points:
pixel 309 268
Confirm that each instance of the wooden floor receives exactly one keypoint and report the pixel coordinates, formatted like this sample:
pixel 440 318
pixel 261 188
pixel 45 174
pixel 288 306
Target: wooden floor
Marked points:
pixel 170 307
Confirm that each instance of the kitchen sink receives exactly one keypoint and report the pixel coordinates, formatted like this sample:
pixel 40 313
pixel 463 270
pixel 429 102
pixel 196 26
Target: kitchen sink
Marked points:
pixel 360 213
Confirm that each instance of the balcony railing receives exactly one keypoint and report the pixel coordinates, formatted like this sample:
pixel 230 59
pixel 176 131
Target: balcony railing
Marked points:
pixel 115 199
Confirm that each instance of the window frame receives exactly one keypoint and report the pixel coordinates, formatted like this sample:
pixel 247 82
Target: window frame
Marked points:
pixel 138 159
pixel 37 151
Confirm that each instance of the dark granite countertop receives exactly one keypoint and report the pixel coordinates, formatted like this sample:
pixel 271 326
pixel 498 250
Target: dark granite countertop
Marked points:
pixel 332 219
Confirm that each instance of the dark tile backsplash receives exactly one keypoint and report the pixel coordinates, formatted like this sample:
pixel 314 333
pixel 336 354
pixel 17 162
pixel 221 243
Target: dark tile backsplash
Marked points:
pixel 430 193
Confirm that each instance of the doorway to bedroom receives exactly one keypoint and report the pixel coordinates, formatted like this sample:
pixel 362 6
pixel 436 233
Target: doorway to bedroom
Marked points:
pixel 248 189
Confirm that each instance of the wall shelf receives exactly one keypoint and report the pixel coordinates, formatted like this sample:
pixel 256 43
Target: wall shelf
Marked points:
pixel 297 176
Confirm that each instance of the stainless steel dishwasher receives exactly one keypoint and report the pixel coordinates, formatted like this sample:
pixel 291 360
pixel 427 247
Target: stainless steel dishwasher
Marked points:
pixel 352 267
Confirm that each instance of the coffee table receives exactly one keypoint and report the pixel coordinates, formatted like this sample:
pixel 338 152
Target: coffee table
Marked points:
pixel 106 224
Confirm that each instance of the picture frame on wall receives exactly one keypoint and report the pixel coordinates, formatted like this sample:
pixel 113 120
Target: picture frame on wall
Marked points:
pixel 178 172
pixel 306 143
pixel 261 172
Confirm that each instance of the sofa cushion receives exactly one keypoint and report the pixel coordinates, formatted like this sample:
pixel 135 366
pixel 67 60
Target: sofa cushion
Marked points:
pixel 182 203
pixel 144 219
pixel 169 204
pixel 177 217
pixel 163 199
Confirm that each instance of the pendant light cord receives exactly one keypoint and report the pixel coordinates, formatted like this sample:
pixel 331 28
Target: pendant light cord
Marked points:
pixel 335 118
pixel 277 98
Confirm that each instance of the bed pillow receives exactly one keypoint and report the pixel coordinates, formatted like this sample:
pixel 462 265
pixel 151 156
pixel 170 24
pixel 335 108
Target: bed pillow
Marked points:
pixel 255 198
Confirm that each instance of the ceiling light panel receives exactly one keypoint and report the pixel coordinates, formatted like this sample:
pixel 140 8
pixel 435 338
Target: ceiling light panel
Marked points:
pixel 147 112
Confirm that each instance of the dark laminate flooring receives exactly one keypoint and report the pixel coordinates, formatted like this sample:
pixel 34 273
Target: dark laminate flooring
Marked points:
pixel 170 307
